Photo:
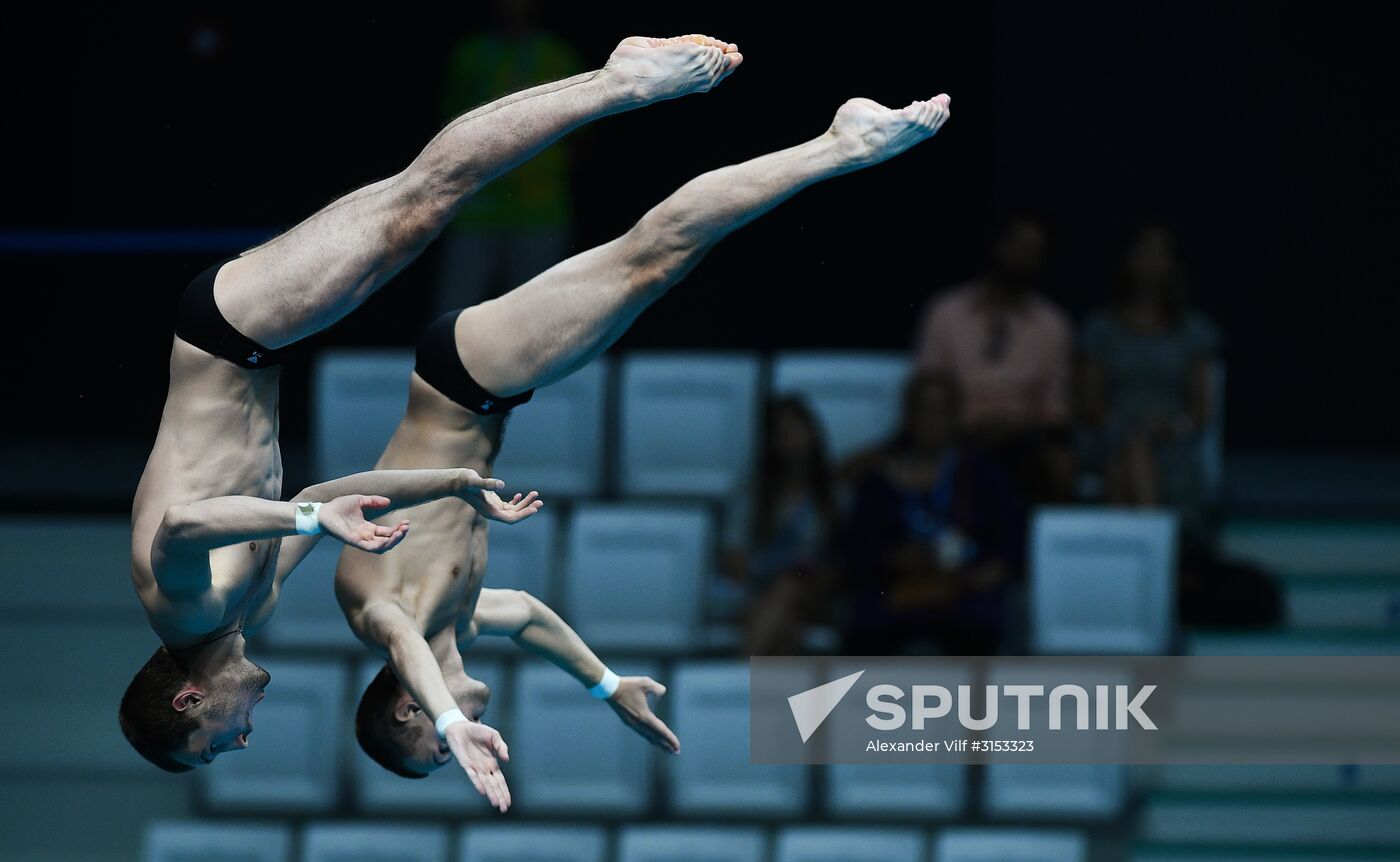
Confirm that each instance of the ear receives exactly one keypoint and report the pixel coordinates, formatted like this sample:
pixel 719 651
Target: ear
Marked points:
pixel 187 698
pixel 406 710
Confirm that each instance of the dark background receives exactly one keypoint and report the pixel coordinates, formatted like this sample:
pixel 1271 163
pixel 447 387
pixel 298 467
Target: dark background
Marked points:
pixel 1267 135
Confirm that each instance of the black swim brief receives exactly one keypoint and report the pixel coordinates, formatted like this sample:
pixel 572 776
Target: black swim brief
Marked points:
pixel 200 323
pixel 440 365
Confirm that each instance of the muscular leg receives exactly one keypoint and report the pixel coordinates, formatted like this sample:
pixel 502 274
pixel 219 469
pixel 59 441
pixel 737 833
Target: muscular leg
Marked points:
pixel 320 270
pixel 563 318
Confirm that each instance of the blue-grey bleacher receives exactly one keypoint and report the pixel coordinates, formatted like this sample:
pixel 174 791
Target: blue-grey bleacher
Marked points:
pixel 1328 822
pixel 709 708
pixel 357 399
pixel 1010 845
pixel 380 842
pixel 570 753
pixel 447 791
pixel 1125 560
pixel 214 841
pixel 522 557
pixel 850 844
pixel 688 423
pixel 1094 791
pixel 307 615
pixel 555 443
pixel 633 574
pixel 881 792
pixel 532 842
pixel 855 395
pixel 691 844
pixel 293 757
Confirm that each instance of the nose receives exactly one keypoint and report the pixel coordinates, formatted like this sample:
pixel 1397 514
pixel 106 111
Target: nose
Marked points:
pixel 242 740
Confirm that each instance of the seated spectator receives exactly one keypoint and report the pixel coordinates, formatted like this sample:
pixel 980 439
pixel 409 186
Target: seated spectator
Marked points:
pixel 785 570
pixel 934 538
pixel 1146 362
pixel 1009 349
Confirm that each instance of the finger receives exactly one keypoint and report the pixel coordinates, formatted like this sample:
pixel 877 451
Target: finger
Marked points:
pixel 476 780
pixel 486 482
pixel 393 542
pixel 374 502
pixel 380 530
pixel 502 750
pixel 514 500
pixel 502 792
pixel 655 687
pixel 669 739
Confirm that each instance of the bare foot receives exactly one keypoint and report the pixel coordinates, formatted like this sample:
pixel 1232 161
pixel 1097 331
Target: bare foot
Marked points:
pixel 868 132
pixel 653 70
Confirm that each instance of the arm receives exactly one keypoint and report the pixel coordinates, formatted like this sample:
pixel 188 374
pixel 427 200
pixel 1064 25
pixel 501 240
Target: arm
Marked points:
pixel 188 531
pixel 475 745
pixel 407 488
pixel 402 489
pixel 539 630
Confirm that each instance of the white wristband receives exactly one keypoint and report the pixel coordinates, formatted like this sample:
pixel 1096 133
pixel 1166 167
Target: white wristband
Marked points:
pixel 308 523
pixel 451 717
pixel 606 686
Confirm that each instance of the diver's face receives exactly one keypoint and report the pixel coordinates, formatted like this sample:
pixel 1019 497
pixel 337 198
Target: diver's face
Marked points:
pixel 226 716
pixel 426 752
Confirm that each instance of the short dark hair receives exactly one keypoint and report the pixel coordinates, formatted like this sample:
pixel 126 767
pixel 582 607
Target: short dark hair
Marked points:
pixel 148 720
pixel 375 728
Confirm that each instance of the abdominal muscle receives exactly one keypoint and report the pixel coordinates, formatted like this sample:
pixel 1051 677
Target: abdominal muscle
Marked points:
pixel 435 574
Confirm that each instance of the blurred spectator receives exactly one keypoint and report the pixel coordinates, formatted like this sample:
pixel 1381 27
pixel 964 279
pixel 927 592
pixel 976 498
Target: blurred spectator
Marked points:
pixel 786 573
pixel 518 225
pixel 934 536
pixel 1009 349
pixel 1146 365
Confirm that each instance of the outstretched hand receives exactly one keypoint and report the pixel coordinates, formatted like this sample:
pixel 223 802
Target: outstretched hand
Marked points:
pixel 477 747
pixel 631 704
pixel 347 519
pixel 480 494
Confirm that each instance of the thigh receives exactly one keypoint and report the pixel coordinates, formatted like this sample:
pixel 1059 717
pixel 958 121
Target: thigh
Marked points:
pixel 318 271
pixel 556 322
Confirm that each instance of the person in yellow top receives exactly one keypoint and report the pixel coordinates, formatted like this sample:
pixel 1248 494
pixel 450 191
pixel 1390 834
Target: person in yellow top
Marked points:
pixel 520 225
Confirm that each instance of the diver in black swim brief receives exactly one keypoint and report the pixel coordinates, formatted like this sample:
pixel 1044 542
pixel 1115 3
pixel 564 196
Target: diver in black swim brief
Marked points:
pixel 212 539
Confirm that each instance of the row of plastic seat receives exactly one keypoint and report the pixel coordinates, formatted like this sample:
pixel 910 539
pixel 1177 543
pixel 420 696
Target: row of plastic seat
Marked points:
pixel 632 577
pixel 571 755
pixel 339 842
pixel 686 423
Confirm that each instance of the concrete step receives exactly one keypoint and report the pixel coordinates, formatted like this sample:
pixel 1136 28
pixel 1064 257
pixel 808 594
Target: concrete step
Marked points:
pixel 1315 548
pixel 1321 642
pixel 1370 602
pixel 1282 819
pixel 1197 853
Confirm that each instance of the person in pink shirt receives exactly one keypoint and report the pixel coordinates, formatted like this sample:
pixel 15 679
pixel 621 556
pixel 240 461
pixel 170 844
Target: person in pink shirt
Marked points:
pixel 1010 350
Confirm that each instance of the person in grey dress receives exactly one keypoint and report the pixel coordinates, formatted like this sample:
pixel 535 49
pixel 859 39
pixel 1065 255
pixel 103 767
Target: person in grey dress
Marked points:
pixel 1147 364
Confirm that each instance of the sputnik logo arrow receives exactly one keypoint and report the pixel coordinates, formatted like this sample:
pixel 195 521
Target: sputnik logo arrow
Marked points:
pixel 811 707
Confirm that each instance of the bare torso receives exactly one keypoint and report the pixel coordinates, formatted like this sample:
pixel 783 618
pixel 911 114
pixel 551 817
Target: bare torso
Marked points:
pixel 217 437
pixel 435 576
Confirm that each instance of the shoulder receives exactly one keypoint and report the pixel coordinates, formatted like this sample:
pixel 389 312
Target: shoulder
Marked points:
pixel 953 300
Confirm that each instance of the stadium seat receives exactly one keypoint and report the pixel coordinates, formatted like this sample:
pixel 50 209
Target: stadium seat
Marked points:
pixel 879 791
pixel 690 844
pixel 572 754
pixel 382 842
pixel 536 842
pixel 215 841
pixel 358 397
pixel 554 444
pixel 1124 561
pixel 308 616
pixel 687 423
pixel 713 775
pixel 292 761
pixel 850 844
pixel 1001 845
pixel 855 395
pixel 1054 791
pixel 522 556
pixel 633 574
pixel 445 791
